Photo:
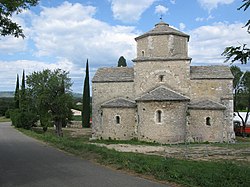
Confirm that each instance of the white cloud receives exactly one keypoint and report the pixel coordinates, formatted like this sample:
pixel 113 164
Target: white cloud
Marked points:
pixel 66 36
pixel 161 10
pixel 213 4
pixel 173 1
pixel 199 19
pixel 129 10
pixel 208 42
pixel 80 36
pixel 182 26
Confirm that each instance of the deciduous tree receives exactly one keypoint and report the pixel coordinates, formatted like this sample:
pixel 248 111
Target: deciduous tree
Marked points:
pixel 7 9
pixel 239 53
pixel 50 93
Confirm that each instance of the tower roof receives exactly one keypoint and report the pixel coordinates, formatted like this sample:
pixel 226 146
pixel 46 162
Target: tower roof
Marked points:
pixel 162 28
pixel 119 103
pixel 162 94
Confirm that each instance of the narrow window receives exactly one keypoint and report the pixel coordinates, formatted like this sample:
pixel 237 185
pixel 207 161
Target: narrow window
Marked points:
pixel 161 78
pixel 143 53
pixel 159 116
pixel 117 118
pixel 208 121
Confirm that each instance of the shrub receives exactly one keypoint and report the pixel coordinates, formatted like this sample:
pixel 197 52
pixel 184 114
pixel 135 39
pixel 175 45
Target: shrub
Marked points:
pixel 23 119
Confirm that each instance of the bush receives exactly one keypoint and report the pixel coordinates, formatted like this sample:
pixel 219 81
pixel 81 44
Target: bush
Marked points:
pixel 23 119
pixel 7 113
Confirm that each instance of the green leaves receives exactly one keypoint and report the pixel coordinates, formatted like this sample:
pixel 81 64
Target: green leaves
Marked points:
pixel 239 53
pixel 7 9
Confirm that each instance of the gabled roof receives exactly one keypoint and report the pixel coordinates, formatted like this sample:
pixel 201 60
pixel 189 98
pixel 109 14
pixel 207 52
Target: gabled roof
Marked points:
pixel 162 28
pixel 119 103
pixel 210 72
pixel 162 94
pixel 117 74
pixel 206 105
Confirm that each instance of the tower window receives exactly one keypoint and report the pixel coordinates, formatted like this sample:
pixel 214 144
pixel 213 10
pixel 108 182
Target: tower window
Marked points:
pixel 158 116
pixel 161 77
pixel 117 119
pixel 208 121
pixel 142 53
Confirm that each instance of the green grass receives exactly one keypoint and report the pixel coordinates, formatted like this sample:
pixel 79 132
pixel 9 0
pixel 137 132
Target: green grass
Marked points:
pixel 3 119
pixel 185 172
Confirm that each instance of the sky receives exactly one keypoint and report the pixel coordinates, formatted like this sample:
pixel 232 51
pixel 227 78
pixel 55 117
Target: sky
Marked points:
pixel 64 34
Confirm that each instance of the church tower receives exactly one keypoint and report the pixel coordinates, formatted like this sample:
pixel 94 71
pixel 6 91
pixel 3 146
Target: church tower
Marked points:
pixel 162 59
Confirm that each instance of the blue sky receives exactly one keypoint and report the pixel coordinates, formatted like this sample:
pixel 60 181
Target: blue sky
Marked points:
pixel 63 34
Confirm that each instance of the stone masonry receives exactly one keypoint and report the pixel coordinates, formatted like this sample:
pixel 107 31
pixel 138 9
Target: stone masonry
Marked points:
pixel 162 98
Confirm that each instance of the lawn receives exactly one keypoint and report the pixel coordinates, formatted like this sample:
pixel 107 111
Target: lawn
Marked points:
pixel 180 171
pixel 3 119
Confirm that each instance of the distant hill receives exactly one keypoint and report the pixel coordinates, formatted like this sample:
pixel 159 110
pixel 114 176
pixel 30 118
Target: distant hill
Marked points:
pixel 6 94
pixel 77 95
pixel 11 94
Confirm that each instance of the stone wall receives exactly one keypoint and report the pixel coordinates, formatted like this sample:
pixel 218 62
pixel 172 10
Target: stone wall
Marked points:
pixel 214 89
pixel 175 75
pixel 199 130
pixel 124 129
pixel 167 46
pixel 102 92
pixel 172 127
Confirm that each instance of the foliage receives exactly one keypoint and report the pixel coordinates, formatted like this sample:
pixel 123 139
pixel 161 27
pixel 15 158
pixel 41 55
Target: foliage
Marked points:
pixel 122 62
pixel 16 96
pixel 246 4
pixel 23 119
pixel 239 53
pixel 22 95
pixel 49 93
pixel 241 84
pixel 7 9
pixel 86 100
pixel 185 172
pixel 5 104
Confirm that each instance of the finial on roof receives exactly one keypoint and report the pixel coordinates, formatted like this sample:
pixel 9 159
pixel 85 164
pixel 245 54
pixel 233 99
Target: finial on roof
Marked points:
pixel 161 17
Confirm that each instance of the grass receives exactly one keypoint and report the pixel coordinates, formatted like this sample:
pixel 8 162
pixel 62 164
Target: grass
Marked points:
pixel 77 118
pixel 184 172
pixel 4 119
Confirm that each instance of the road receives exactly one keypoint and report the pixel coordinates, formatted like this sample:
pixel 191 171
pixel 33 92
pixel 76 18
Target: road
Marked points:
pixel 28 162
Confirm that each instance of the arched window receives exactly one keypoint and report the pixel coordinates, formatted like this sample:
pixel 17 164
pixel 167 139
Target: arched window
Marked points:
pixel 161 78
pixel 142 53
pixel 117 119
pixel 208 121
pixel 158 116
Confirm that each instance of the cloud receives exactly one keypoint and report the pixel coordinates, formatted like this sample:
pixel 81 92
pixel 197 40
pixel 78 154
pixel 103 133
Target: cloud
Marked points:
pixel 213 4
pixel 129 11
pixel 161 10
pixel 173 1
pixel 70 31
pixel 182 26
pixel 199 19
pixel 208 42
pixel 66 36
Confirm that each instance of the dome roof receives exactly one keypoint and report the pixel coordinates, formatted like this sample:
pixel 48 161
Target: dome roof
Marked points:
pixel 162 28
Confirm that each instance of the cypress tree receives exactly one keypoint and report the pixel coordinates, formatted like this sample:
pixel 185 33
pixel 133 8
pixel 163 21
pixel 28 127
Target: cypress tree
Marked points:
pixel 16 96
pixel 23 94
pixel 86 100
pixel 122 62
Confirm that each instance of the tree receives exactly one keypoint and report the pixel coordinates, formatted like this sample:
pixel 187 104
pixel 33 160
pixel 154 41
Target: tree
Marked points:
pixel 22 104
pixel 241 84
pixel 122 62
pixel 239 53
pixel 51 97
pixel 7 9
pixel 86 99
pixel 16 96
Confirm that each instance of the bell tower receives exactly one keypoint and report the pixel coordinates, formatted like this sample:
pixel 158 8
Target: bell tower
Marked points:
pixel 162 59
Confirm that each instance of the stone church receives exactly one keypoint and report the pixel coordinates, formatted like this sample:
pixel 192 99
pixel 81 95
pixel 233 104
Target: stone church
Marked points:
pixel 162 98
